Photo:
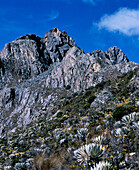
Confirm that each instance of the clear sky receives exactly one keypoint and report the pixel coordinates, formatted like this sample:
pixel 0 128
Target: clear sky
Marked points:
pixel 93 24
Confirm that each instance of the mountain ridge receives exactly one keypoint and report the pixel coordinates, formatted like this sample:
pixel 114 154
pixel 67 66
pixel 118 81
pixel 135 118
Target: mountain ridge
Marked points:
pixel 36 73
pixel 58 61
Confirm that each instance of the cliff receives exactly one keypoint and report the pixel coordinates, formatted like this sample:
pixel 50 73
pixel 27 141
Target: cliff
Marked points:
pixel 36 73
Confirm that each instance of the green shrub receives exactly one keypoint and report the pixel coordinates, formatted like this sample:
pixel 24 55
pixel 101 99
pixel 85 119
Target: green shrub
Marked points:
pixel 75 130
pixel 66 102
pixel 87 93
pixel 75 94
pixel 40 121
pixel 59 114
pixel 86 106
pixel 120 111
pixel 91 99
pixel 125 93
pixel 101 85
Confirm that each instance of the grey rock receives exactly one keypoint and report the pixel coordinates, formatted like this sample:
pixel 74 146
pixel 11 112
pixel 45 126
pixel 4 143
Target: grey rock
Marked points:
pixel 116 55
pixel 102 98
pixel 31 55
pixel 34 72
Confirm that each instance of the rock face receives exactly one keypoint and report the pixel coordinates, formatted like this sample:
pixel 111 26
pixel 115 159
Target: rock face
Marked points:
pixel 31 55
pixel 116 55
pixel 34 71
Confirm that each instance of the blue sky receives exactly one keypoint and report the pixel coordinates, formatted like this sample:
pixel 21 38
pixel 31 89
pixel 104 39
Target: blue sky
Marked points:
pixel 93 24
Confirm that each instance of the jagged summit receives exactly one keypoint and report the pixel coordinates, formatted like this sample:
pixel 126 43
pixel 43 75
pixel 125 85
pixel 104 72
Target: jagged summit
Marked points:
pixel 28 37
pixel 31 55
pixel 116 55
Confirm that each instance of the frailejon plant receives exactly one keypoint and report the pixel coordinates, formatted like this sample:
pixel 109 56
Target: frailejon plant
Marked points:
pixel 128 119
pixel 136 126
pixel 117 124
pixel 119 132
pixel 89 154
pixel 102 165
pixel 82 132
pixel 99 139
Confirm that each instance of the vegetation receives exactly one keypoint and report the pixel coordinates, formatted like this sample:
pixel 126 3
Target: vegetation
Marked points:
pixel 78 136
pixel 89 154
pixel 122 110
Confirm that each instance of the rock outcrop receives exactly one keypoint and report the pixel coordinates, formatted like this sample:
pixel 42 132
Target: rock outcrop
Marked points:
pixel 31 55
pixel 35 71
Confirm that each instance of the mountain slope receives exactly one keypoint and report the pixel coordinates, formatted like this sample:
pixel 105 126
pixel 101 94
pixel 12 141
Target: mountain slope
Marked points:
pixel 36 73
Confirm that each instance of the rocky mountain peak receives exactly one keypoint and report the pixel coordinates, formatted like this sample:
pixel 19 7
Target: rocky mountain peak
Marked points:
pixel 30 66
pixel 55 39
pixel 53 95
pixel 29 37
pixel 113 56
pixel 31 55
pixel 116 55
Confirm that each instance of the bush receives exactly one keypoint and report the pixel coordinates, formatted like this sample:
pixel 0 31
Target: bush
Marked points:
pixel 91 99
pixel 86 106
pixel 120 111
pixel 101 85
pixel 59 114
pixel 87 93
pixel 125 93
